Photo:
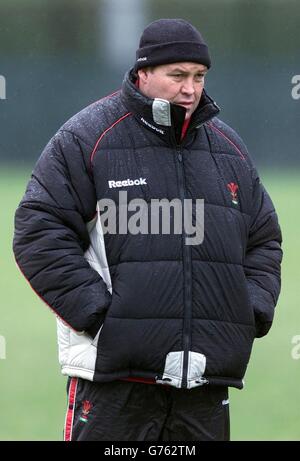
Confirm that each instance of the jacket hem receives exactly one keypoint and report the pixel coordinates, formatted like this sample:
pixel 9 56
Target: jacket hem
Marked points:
pixel 146 377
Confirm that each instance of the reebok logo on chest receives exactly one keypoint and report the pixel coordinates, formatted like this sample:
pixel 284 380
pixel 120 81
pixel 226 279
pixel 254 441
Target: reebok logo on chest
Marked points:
pixel 127 182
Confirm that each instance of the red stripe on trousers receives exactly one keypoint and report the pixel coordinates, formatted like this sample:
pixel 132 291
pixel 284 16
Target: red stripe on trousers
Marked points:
pixel 70 410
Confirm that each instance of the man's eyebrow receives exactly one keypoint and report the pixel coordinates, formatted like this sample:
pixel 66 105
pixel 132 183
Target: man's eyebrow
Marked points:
pixel 182 71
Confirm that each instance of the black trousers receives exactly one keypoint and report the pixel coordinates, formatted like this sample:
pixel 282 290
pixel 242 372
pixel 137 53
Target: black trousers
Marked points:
pixel 130 411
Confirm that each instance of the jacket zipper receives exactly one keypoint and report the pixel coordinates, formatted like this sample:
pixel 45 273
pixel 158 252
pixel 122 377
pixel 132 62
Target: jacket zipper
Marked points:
pixel 187 274
pixel 187 268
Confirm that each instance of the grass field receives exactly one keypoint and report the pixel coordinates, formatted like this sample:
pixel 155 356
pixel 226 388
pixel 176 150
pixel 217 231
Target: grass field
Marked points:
pixel 32 390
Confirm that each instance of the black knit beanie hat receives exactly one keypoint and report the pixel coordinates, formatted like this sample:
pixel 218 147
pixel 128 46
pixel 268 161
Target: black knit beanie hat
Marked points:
pixel 171 40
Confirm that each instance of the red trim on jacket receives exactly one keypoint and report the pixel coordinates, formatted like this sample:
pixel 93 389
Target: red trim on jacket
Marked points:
pixel 211 125
pixel 140 380
pixel 104 133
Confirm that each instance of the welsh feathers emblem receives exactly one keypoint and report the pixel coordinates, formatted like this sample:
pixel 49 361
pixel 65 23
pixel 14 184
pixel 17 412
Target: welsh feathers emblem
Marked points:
pixel 233 188
pixel 86 408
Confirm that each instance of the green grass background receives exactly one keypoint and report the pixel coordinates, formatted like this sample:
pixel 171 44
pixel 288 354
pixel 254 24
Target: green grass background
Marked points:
pixel 32 390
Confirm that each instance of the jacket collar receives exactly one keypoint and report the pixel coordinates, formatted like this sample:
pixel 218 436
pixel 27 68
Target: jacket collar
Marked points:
pixel 159 115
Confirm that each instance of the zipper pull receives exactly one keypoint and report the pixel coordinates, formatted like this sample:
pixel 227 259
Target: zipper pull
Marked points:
pixel 160 380
pixel 202 381
pixel 180 157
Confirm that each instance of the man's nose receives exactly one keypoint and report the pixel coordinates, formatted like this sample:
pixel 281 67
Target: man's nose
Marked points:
pixel 188 87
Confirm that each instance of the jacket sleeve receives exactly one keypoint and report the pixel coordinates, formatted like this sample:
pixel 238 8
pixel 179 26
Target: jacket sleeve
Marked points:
pixel 263 258
pixel 51 235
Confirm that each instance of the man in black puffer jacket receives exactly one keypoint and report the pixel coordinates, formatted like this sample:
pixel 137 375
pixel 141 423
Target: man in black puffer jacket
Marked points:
pixel 154 320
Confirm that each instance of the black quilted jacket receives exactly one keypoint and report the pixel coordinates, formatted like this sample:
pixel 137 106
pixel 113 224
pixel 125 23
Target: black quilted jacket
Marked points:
pixel 178 314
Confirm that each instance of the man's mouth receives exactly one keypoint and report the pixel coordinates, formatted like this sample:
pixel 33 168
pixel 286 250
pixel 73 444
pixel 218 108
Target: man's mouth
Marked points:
pixel 185 103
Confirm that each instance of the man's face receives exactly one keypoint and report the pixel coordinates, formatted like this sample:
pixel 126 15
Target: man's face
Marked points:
pixel 180 83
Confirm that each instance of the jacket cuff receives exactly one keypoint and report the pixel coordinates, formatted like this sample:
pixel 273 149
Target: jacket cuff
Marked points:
pixel 263 307
pixel 262 328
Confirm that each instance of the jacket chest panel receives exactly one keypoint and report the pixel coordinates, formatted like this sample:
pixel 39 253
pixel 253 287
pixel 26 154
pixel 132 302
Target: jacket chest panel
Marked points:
pixel 145 173
pixel 220 180
pixel 154 173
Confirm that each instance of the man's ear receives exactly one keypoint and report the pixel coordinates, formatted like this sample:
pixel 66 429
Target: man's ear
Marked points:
pixel 143 75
